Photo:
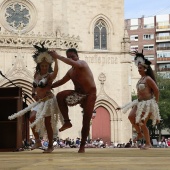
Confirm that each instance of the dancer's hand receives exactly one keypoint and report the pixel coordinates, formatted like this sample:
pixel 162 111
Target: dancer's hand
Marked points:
pixel 53 54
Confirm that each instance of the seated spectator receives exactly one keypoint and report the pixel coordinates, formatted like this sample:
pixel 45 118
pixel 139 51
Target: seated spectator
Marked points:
pixel 106 145
pixel 112 145
pixel 45 143
pixel 73 144
pixel 128 145
pixel 101 143
pixel 95 143
pixel 78 142
pixel 130 141
pixel 61 143
pixel 55 144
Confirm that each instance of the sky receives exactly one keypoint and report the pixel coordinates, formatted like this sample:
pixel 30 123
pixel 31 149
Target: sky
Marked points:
pixel 138 8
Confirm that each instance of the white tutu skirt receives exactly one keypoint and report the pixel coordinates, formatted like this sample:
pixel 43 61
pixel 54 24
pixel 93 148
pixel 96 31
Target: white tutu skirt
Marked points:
pixel 146 107
pixel 43 109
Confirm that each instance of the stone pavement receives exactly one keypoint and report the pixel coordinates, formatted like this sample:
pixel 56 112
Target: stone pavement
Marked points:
pixel 93 159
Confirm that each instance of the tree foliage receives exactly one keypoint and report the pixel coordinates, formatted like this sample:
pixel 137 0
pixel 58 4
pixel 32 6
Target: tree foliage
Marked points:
pixel 164 100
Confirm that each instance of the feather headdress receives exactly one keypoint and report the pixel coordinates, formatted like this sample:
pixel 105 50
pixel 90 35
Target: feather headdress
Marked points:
pixel 140 59
pixel 41 54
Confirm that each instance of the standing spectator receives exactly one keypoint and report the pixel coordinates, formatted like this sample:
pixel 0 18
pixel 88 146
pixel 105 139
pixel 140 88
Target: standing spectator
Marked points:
pixel 130 141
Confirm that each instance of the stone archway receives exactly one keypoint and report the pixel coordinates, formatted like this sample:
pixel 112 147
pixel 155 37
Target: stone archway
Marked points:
pixel 101 126
pixel 26 88
pixel 106 119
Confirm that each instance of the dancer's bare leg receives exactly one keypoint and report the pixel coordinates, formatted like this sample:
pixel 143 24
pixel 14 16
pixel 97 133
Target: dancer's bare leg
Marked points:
pixel 36 135
pixel 132 118
pixel 146 134
pixel 64 108
pixel 49 134
pixel 88 107
pixel 67 125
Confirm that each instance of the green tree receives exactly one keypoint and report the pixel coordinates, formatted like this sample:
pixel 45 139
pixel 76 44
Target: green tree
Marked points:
pixel 164 100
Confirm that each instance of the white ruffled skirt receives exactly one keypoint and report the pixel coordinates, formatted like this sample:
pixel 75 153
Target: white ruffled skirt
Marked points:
pixel 43 109
pixel 146 107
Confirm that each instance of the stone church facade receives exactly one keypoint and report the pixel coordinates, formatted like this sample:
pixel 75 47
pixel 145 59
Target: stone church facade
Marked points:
pixel 96 29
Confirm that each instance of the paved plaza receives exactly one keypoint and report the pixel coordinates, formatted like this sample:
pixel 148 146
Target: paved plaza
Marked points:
pixel 93 159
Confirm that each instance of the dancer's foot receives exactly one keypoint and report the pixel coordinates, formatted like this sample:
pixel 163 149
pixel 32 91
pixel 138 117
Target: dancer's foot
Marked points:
pixel 36 145
pixel 66 125
pixel 49 150
pixel 81 150
pixel 146 147
pixel 138 137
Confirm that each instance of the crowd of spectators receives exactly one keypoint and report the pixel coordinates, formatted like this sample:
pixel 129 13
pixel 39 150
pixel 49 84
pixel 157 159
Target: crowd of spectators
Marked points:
pixel 96 143
pixel 73 143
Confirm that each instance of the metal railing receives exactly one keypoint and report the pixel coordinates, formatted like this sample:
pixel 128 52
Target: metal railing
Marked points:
pixel 163 38
pixel 163 59
pixel 163 69
pixel 163 48
pixel 163 27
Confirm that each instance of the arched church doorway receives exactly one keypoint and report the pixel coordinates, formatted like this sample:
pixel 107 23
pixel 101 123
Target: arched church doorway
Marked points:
pixel 26 89
pixel 101 127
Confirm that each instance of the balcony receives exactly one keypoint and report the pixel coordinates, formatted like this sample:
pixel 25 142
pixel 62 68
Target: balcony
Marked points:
pixel 164 74
pixel 162 28
pixel 163 60
pixel 163 39
pixel 148 26
pixel 163 69
pixel 163 48
pixel 133 27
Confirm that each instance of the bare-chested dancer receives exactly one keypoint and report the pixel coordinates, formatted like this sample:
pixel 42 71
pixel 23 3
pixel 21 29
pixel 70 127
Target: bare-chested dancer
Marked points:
pixel 145 107
pixel 84 93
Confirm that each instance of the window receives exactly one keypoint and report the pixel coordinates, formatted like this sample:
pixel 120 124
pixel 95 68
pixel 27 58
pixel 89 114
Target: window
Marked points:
pixel 100 35
pixel 148 36
pixel 149 26
pixel 149 57
pixel 134 47
pixel 18 16
pixel 134 37
pixel 164 45
pixel 164 67
pixel 163 54
pixel 134 27
pixel 148 22
pixel 162 34
pixel 148 47
pixel 134 24
pixel 163 25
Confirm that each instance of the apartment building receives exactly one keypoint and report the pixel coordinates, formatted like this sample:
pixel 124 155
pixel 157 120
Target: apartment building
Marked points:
pixel 152 34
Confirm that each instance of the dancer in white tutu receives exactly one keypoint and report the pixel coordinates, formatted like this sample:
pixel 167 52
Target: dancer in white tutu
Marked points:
pixel 145 107
pixel 44 112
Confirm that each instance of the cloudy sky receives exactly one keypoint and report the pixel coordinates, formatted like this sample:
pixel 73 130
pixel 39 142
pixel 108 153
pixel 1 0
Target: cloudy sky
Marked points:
pixel 137 8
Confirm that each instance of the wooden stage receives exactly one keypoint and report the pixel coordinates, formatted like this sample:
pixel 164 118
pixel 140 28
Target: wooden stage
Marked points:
pixel 93 159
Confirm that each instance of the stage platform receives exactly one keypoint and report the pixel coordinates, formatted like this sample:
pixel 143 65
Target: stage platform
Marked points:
pixel 93 159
